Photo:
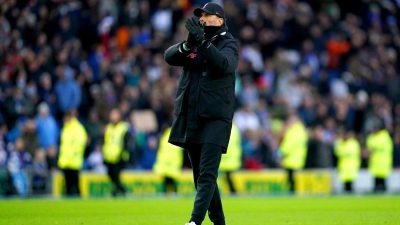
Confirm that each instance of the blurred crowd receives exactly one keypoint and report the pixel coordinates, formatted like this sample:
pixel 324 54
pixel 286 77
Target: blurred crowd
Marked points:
pixel 333 63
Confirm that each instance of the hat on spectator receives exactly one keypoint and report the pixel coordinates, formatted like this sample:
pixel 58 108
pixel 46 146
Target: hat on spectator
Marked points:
pixel 210 8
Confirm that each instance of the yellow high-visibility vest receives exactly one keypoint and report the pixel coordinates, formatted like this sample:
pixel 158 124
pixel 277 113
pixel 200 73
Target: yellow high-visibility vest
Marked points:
pixel 169 158
pixel 380 145
pixel 348 154
pixel 232 160
pixel 113 146
pixel 294 146
pixel 72 146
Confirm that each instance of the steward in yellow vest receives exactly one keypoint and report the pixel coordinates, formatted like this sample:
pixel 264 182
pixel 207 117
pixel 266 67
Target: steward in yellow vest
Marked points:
pixel 293 147
pixel 232 160
pixel 380 145
pixel 72 148
pixel 348 151
pixel 114 149
pixel 169 161
pixel 114 143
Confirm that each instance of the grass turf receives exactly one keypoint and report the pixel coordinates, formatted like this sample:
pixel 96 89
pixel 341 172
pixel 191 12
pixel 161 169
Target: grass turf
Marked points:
pixel 341 210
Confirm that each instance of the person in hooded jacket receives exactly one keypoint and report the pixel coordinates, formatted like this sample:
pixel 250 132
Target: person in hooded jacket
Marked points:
pixel 204 104
pixel 379 144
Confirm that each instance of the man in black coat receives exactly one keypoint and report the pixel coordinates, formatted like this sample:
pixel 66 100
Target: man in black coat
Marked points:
pixel 204 104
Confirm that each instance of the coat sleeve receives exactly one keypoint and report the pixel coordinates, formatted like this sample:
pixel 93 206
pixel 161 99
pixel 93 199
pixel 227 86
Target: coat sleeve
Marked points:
pixel 225 60
pixel 175 56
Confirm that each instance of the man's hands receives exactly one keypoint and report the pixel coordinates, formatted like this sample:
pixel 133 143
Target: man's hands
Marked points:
pixel 196 32
pixel 190 41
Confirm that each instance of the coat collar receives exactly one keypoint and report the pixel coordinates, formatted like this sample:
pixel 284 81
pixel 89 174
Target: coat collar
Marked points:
pixel 221 32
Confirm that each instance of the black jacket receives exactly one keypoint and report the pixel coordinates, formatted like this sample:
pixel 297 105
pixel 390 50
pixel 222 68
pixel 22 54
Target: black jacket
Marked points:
pixel 205 98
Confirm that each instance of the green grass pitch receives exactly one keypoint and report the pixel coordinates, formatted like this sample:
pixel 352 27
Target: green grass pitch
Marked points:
pixel 341 210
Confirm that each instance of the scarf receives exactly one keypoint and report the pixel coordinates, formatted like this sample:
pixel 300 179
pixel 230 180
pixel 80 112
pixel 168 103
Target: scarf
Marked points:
pixel 210 31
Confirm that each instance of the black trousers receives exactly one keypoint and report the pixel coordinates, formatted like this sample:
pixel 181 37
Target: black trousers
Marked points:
pixel 230 182
pixel 348 186
pixel 169 182
pixel 113 171
pixel 290 179
pixel 380 185
pixel 71 182
pixel 205 160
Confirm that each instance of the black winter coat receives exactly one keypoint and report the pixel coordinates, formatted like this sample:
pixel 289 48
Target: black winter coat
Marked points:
pixel 205 98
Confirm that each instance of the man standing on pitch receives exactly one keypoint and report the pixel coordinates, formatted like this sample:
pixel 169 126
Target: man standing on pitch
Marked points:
pixel 115 151
pixel 204 104
pixel 73 142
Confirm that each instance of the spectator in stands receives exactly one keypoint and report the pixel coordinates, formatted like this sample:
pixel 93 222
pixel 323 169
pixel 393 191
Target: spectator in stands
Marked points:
pixel 18 105
pixel 319 150
pixel 336 46
pixel 101 103
pixel 39 172
pixel 47 128
pixel 46 92
pixel 6 184
pixel 396 150
pixel 3 152
pixel 19 163
pixel 95 161
pixel 5 82
pixel 29 136
pixel 94 130
pixel 136 141
pixel 246 119
pixel 67 90
pixel 51 158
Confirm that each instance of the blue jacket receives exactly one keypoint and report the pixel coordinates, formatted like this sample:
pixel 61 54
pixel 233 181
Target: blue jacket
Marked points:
pixel 48 131
pixel 68 94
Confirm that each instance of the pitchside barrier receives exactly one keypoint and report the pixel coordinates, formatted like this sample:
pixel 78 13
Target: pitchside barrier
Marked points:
pixel 308 182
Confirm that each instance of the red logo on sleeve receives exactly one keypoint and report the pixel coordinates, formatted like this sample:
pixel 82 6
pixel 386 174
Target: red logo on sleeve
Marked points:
pixel 192 55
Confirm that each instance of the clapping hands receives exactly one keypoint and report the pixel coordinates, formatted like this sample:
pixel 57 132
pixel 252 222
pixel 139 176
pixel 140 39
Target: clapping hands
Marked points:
pixel 196 32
